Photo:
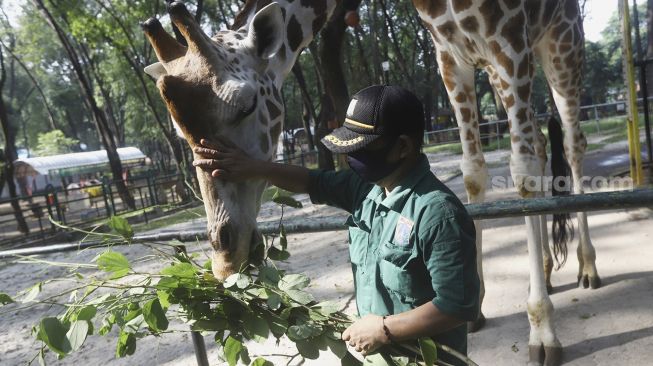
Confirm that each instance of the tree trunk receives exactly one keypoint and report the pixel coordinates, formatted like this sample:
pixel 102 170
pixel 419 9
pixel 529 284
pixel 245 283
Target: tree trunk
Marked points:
pixel 308 104
pixel 98 116
pixel 51 119
pixel 649 47
pixel 10 154
pixel 336 95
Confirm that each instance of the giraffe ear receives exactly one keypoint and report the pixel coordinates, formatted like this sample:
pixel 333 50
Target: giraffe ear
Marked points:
pixel 156 70
pixel 266 31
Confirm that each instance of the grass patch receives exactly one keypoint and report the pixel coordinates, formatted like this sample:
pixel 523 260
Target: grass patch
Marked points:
pixel 175 218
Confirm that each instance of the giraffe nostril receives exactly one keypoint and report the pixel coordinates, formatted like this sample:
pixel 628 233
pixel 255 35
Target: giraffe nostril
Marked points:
pixel 224 236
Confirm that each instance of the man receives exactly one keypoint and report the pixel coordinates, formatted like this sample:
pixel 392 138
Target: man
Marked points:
pixel 412 244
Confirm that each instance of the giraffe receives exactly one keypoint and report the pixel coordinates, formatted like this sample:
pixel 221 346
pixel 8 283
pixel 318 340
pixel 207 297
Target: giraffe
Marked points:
pixel 505 38
pixel 229 86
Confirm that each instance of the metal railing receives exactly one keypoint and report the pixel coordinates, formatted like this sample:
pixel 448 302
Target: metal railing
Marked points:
pixel 494 130
pixel 603 201
pixel 85 205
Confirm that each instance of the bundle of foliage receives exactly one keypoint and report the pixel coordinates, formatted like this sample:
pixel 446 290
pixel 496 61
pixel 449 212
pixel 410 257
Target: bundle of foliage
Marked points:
pixel 259 302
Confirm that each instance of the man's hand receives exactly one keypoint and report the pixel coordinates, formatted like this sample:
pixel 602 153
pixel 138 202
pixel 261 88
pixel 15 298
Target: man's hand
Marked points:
pixel 225 161
pixel 366 335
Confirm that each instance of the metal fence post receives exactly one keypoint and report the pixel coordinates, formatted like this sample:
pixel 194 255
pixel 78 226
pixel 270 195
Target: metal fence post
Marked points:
pixel 104 195
pixel 596 119
pixel 49 205
pixel 498 137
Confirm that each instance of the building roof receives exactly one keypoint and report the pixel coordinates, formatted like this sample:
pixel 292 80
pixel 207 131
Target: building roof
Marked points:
pixel 57 163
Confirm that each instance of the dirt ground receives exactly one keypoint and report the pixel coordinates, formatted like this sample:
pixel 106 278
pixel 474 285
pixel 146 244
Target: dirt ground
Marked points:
pixel 608 326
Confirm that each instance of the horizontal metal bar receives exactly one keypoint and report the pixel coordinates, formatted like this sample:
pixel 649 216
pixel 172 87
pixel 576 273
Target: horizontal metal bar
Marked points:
pixel 481 211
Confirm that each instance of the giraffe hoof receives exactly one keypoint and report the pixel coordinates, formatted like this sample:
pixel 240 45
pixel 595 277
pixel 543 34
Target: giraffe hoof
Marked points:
pixel 544 355
pixel 592 282
pixel 476 325
pixel 549 288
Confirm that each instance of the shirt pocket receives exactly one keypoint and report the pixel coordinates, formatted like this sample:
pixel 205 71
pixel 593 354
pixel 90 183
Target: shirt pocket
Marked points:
pixel 394 268
pixel 358 239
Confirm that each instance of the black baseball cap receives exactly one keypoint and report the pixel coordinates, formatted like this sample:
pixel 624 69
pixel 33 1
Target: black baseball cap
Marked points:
pixel 376 111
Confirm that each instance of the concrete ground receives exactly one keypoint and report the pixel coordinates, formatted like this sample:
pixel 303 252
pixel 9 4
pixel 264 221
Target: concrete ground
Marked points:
pixel 608 326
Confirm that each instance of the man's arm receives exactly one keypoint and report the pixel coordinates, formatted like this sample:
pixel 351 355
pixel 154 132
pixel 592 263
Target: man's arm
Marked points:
pixel 366 335
pixel 423 321
pixel 226 161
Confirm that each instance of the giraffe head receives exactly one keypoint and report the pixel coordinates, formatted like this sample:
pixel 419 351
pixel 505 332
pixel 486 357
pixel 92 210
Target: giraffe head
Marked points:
pixel 221 87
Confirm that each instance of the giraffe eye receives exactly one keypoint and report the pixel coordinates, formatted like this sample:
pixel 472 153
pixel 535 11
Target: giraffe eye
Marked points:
pixel 246 112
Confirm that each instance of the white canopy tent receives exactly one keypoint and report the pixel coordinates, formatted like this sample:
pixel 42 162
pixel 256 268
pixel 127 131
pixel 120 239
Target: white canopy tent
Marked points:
pixel 53 165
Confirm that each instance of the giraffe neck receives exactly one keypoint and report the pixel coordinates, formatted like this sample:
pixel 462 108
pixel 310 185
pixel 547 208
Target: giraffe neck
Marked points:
pixel 303 19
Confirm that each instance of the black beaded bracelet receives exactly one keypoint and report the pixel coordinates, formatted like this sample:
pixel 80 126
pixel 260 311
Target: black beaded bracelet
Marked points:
pixel 386 330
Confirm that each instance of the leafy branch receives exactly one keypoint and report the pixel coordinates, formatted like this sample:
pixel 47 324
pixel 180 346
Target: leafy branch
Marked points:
pixel 260 302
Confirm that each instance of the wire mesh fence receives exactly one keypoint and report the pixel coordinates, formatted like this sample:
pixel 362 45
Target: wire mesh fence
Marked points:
pixel 81 206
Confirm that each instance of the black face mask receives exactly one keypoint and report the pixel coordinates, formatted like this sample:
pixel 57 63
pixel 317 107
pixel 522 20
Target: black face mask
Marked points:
pixel 371 165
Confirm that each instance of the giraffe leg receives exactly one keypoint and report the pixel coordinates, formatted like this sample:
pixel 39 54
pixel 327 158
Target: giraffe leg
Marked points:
pixel 562 63
pixel 459 80
pixel 546 251
pixel 527 169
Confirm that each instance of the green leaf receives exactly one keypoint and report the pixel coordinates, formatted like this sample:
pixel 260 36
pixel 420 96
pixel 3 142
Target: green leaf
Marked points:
pixel 286 200
pixel 135 324
pixel 232 349
pixel 164 299
pixel 327 307
pixel 87 313
pixel 429 350
pixel 167 283
pixel 278 255
pixel 308 349
pixel 126 344
pixel 77 334
pixel 244 356
pixel 214 325
pixel 283 240
pixel 237 279
pixel 121 226
pixel 338 347
pixel 114 263
pixel 300 332
pixel 274 301
pixel 181 270
pixel 53 333
pixel 301 297
pixel 258 327
pixel 257 255
pixel 294 282
pixel 350 360
pixel 208 265
pixel 155 316
pixel 261 362
pixel 33 292
pixel 269 275
pixel 278 326
pixel 5 299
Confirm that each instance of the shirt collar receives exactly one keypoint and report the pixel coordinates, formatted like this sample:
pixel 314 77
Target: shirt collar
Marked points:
pixel 398 196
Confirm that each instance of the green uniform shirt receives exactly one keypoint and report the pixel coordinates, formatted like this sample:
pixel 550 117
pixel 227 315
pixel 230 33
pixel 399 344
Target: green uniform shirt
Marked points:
pixel 415 245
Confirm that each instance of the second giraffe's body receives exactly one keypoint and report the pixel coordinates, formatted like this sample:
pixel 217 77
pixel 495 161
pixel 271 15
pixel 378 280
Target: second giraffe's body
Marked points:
pixel 506 38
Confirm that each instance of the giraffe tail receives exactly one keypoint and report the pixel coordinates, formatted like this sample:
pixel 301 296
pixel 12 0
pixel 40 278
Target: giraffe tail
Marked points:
pixel 562 228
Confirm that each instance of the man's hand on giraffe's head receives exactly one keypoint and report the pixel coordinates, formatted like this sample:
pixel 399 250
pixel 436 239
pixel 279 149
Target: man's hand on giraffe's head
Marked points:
pixel 224 160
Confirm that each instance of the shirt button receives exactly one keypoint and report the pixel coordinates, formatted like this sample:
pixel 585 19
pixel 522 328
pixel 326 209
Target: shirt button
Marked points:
pixel 383 213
